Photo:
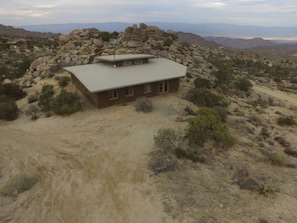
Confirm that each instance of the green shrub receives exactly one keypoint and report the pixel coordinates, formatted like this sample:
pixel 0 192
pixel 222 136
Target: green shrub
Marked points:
pixel 204 98
pixel 243 84
pixel 189 154
pixel 32 112
pixel 18 184
pixel 105 36
pixel 143 104
pixel 202 83
pixel 63 81
pixel 277 159
pixel 46 97
pixel 286 120
pixel 65 103
pixel 207 125
pixel 12 90
pixel 168 42
pixel 8 110
pixel 166 139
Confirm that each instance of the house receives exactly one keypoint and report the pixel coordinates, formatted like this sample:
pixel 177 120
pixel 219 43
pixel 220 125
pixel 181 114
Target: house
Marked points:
pixel 118 78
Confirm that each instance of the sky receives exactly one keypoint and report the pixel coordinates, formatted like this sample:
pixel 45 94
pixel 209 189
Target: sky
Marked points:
pixel 241 12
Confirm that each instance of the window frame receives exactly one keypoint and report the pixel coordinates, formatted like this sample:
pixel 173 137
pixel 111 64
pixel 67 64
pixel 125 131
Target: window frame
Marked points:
pixel 113 94
pixel 146 87
pixel 129 91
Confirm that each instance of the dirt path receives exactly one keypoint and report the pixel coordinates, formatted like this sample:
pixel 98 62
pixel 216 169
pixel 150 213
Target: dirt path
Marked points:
pixel 92 166
pixel 285 97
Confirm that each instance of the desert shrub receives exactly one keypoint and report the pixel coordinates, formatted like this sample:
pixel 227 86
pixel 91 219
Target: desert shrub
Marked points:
pixel 166 139
pixel 143 104
pixel 282 141
pixel 12 90
pixel 277 159
pixel 222 112
pixel 8 109
pixel 204 98
pixel 32 98
pixel 189 154
pixel 63 81
pixel 190 111
pixel 264 133
pixel 46 97
pixel 207 125
pixel 123 101
pixel 168 42
pixel 32 112
pixel 243 84
pixel 18 184
pixel 255 120
pixel 202 83
pixel 248 183
pixel 286 120
pixel 265 189
pixel 105 36
pixel 65 103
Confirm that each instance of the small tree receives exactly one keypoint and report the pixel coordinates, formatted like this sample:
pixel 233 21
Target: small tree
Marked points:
pixel 65 103
pixel 206 125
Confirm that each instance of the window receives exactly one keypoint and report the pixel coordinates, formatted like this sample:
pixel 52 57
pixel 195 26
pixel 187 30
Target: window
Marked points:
pixel 113 94
pixel 164 87
pixel 138 61
pixel 147 88
pixel 127 62
pixel 129 91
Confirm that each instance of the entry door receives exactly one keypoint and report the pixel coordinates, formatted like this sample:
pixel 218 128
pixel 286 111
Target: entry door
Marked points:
pixel 164 87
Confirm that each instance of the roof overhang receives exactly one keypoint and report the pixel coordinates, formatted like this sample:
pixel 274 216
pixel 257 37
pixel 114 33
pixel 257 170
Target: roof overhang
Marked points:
pixel 102 77
pixel 116 58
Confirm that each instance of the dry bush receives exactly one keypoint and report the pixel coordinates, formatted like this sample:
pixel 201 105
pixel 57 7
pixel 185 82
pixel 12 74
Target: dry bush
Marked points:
pixel 18 184
pixel 143 104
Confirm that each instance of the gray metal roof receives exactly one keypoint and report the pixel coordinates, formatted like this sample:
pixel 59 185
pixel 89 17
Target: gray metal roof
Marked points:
pixel 114 58
pixel 102 77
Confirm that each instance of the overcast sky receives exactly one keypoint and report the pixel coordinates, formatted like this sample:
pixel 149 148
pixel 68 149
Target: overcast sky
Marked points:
pixel 242 12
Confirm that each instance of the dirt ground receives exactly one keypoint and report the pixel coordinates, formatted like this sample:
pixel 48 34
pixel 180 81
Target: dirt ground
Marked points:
pixel 92 167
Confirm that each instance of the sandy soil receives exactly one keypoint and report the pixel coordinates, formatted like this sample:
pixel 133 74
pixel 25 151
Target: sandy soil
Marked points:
pixel 92 167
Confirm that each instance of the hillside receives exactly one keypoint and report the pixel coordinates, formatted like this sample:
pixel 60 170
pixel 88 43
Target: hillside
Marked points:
pixel 241 43
pixel 104 165
pixel 19 32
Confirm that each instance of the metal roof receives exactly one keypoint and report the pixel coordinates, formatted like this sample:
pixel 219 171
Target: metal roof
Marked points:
pixel 102 77
pixel 115 58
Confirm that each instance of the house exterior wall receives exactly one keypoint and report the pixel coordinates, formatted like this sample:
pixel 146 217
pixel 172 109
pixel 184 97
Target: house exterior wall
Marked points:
pixel 101 99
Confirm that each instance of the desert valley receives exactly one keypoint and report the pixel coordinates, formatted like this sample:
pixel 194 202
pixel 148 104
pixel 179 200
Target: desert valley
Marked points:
pixel 115 165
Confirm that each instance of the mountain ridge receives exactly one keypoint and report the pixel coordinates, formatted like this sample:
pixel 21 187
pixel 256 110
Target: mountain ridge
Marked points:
pixel 203 29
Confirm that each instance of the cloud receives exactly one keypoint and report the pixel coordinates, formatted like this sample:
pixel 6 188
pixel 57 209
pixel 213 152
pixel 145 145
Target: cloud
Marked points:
pixel 254 12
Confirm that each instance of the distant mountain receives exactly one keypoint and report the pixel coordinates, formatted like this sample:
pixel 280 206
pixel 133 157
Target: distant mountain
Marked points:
pixel 11 31
pixel 207 29
pixel 241 43
pixel 67 28
pixel 195 39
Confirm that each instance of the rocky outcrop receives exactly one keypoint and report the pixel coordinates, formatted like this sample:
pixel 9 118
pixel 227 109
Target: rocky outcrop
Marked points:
pixel 81 46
